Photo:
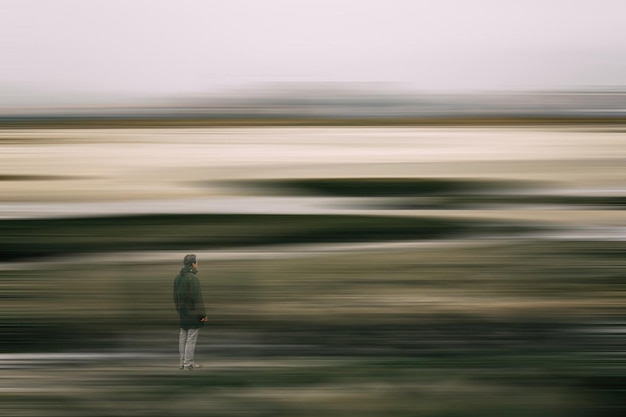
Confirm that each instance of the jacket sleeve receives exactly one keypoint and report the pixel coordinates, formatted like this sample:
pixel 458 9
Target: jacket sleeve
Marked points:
pixel 197 297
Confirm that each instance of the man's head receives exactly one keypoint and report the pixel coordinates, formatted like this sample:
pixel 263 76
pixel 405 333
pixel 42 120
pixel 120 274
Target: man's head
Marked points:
pixel 190 260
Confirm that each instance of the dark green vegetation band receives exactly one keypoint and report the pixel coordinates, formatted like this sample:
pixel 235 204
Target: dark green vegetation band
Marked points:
pixel 35 238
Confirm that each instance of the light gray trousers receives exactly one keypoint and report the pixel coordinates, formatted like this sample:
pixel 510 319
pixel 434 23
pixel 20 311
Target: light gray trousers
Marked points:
pixel 187 345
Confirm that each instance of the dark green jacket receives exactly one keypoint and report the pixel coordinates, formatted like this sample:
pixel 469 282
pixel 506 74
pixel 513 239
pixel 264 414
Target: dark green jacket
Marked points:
pixel 188 299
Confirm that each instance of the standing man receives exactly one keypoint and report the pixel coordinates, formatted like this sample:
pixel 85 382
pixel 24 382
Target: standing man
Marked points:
pixel 190 308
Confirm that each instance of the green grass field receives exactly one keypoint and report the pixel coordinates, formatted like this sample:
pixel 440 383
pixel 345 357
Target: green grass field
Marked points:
pixel 484 329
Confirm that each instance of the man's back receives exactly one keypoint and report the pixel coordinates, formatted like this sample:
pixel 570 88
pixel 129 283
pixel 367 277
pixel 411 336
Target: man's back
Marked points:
pixel 188 299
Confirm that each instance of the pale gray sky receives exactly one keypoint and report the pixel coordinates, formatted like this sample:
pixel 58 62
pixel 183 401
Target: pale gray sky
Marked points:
pixel 190 46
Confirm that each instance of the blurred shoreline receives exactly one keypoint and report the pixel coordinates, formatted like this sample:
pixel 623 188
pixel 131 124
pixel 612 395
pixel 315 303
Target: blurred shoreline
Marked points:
pixel 68 122
pixel 320 104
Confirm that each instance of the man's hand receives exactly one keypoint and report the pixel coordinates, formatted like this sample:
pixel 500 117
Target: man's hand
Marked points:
pixel 203 319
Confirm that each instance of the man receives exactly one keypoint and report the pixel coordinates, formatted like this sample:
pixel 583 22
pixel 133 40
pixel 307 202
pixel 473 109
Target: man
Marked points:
pixel 190 308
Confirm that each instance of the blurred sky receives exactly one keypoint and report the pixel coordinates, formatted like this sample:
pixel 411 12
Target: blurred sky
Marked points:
pixel 159 47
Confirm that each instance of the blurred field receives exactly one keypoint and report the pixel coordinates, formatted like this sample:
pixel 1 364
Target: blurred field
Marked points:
pixel 104 165
pixel 347 271
pixel 466 329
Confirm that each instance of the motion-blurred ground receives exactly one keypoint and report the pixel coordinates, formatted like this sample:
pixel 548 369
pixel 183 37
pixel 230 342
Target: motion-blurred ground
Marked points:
pixel 348 271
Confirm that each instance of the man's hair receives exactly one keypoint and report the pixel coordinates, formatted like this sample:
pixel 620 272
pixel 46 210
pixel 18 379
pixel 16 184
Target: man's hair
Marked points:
pixel 189 259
